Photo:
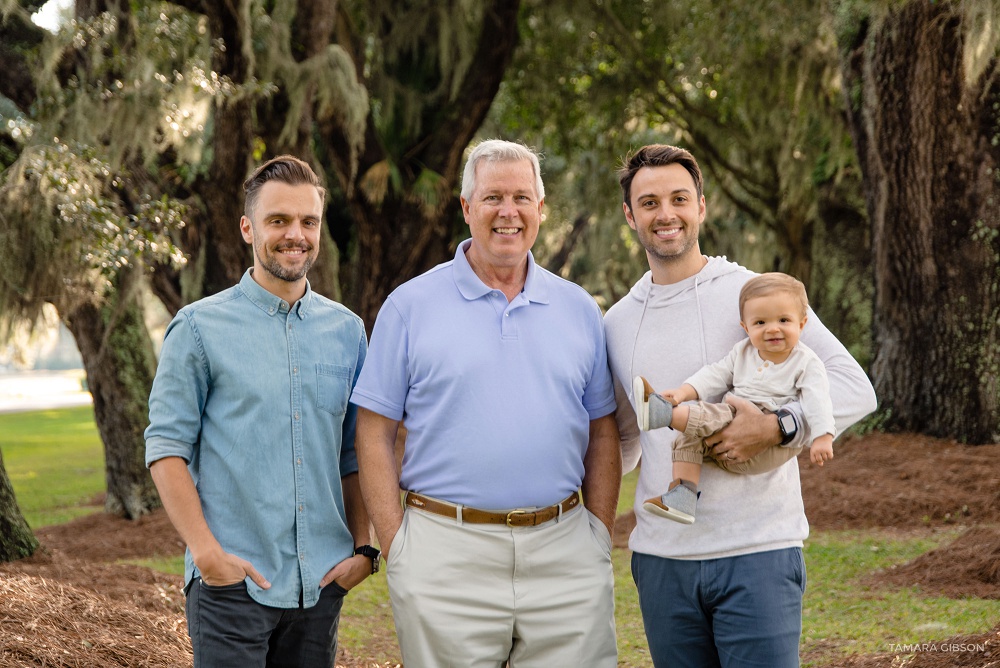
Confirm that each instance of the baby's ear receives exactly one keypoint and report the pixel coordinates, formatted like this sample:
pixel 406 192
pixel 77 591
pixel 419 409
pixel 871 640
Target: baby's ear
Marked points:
pixel 744 326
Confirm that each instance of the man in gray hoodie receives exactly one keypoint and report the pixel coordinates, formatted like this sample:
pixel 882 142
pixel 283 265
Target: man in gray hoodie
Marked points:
pixel 727 590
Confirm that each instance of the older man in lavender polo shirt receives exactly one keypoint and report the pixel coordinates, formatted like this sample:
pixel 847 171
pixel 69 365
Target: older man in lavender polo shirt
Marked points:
pixel 499 370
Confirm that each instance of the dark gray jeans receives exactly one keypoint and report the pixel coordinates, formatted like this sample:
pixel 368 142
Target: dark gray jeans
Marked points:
pixel 230 629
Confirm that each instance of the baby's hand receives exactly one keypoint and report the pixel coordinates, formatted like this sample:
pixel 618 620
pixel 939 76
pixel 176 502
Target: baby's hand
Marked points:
pixel 821 449
pixel 675 397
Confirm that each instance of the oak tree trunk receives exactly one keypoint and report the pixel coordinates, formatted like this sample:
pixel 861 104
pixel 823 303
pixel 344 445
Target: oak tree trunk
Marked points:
pixel 120 363
pixel 16 539
pixel 926 127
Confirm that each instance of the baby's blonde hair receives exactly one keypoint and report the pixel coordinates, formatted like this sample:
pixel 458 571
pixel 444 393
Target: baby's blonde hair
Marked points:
pixel 770 283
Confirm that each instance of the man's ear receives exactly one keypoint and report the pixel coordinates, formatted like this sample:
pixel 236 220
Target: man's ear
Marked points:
pixel 628 215
pixel 246 229
pixel 465 209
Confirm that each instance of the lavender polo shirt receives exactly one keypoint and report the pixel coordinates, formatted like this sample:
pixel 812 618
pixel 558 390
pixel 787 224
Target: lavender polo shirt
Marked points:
pixel 497 398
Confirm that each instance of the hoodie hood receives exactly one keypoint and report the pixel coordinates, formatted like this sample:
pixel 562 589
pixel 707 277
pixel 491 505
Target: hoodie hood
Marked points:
pixel 657 296
pixel 694 293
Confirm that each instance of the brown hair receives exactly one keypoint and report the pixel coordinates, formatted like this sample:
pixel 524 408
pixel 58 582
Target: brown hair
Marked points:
pixel 657 155
pixel 770 283
pixel 284 169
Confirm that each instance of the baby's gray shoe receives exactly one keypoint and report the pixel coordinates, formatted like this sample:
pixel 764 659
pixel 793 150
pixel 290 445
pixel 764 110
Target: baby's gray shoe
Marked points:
pixel 651 410
pixel 678 504
pixel 660 412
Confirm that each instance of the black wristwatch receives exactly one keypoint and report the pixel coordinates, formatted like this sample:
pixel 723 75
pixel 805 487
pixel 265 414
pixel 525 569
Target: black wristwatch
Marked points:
pixel 787 424
pixel 371 553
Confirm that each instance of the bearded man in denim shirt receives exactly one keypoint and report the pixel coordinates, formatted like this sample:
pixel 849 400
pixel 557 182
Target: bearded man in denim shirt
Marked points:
pixel 251 443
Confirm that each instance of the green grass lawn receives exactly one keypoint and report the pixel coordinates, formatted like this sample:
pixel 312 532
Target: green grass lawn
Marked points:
pixel 842 613
pixel 55 461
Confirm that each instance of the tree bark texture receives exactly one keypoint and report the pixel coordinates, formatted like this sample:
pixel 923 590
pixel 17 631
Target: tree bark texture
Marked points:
pixel 927 140
pixel 120 365
pixel 16 539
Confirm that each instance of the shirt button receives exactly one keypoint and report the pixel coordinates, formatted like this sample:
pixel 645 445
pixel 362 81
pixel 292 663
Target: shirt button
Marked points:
pixel 301 508
pixel 295 369
pixel 759 369
pixel 296 415
pixel 302 557
pixel 298 461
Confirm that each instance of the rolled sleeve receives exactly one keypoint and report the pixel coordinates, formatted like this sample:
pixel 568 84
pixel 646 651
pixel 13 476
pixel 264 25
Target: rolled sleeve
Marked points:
pixel 178 396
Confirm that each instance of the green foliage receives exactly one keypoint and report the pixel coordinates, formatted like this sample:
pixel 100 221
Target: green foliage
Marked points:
pixel 330 75
pixel 63 235
pixel 409 74
pixel 55 462
pixel 751 88
pixel 106 101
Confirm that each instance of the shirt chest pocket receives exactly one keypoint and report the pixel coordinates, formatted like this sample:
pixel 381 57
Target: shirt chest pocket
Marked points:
pixel 333 388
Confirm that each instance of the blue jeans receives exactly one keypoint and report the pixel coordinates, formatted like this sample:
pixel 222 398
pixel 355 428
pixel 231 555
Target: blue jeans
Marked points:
pixel 229 629
pixel 736 612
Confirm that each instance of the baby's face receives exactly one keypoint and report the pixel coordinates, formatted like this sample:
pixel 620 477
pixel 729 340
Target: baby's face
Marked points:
pixel 774 323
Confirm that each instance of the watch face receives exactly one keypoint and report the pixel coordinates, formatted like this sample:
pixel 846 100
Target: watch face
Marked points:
pixel 787 423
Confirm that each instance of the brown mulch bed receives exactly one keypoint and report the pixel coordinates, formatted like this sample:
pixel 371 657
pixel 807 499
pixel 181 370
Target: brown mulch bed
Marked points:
pixel 969 567
pixel 72 605
pixel 902 480
pixel 101 537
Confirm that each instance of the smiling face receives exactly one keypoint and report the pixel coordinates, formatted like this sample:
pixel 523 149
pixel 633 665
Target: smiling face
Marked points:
pixel 666 213
pixel 503 213
pixel 285 233
pixel 774 324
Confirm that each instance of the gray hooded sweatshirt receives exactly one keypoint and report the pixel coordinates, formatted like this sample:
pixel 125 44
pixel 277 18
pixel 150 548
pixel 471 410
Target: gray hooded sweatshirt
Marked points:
pixel 666 333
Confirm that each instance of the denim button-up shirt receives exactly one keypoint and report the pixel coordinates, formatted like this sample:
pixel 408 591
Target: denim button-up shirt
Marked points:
pixel 253 393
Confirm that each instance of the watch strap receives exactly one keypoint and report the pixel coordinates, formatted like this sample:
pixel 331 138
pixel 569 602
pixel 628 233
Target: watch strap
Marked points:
pixel 370 552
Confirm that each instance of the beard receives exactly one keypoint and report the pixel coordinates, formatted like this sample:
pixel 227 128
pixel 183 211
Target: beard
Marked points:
pixel 269 262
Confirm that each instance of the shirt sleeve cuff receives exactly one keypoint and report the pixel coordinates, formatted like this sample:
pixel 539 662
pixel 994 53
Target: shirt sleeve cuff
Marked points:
pixel 159 447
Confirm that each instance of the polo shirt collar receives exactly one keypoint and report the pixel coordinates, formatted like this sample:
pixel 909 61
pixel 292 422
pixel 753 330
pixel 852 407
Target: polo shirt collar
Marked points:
pixel 472 287
pixel 272 304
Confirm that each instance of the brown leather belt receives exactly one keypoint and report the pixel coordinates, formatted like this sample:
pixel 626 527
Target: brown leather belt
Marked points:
pixel 512 518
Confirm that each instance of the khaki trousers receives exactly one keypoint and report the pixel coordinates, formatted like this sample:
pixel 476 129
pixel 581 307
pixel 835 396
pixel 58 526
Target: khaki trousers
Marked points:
pixel 480 595
pixel 704 420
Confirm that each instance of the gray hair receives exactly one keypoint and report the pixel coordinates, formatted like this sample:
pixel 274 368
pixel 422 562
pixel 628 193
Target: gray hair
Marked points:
pixel 498 150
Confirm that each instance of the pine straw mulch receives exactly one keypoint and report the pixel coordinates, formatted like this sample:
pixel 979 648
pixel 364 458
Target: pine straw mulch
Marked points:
pixel 52 623
pixel 71 605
